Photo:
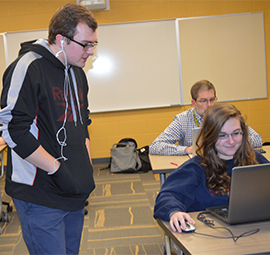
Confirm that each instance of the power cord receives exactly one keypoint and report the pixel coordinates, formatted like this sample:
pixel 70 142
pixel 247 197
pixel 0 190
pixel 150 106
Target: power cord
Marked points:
pixel 210 223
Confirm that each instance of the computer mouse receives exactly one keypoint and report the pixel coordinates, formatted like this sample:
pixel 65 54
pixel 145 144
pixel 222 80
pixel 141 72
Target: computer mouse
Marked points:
pixel 190 228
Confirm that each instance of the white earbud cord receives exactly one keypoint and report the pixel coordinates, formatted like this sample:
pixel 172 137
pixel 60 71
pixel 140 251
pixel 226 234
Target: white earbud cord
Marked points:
pixel 66 85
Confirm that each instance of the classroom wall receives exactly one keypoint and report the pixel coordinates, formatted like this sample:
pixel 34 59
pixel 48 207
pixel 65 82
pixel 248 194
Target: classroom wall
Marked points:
pixel 143 125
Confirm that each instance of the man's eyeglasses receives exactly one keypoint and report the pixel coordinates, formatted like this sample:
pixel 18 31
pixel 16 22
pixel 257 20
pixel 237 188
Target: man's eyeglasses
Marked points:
pixel 206 101
pixel 86 46
pixel 234 135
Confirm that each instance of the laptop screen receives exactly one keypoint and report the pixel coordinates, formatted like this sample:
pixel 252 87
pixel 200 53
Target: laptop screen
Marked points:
pixel 249 194
pixel 195 133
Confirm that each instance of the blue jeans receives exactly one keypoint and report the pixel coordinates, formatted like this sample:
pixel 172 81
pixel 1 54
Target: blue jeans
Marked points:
pixel 48 230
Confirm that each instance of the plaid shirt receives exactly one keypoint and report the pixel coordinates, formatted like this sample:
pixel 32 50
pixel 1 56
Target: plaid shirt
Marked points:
pixel 178 135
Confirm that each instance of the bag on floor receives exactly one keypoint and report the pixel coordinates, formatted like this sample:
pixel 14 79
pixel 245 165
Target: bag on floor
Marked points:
pixel 125 157
pixel 144 157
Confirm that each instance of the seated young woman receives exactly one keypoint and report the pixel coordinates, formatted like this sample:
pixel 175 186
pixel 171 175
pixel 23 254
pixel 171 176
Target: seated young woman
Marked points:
pixel 204 180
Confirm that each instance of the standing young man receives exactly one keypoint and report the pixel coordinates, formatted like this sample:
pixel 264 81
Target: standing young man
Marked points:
pixel 177 137
pixel 44 120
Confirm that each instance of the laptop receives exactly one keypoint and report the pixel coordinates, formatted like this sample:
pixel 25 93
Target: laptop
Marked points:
pixel 195 133
pixel 249 196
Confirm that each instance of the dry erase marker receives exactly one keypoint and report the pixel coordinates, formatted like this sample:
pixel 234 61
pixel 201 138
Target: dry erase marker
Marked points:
pixel 174 164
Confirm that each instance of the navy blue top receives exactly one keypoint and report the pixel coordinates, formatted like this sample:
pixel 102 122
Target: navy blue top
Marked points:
pixel 185 189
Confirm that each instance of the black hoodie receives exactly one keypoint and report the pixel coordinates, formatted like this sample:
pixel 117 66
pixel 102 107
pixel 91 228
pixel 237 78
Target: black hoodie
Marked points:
pixel 35 112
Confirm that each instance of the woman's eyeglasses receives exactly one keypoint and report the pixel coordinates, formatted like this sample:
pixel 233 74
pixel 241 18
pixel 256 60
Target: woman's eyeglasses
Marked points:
pixel 234 135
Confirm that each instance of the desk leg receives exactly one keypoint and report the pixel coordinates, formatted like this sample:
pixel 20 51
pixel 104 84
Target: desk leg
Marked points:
pixel 2 165
pixel 162 178
pixel 167 245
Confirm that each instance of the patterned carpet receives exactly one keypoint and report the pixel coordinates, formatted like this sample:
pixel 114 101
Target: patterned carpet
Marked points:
pixel 119 219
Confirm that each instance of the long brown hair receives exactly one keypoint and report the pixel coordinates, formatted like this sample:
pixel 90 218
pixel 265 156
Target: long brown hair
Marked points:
pixel 215 168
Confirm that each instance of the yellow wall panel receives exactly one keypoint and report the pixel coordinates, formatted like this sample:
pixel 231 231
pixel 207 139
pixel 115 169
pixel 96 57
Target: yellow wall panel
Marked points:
pixel 5 8
pixel 238 7
pixel 23 7
pixel 209 7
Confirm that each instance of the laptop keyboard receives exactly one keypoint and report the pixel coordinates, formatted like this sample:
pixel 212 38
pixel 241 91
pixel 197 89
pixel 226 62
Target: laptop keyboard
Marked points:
pixel 222 212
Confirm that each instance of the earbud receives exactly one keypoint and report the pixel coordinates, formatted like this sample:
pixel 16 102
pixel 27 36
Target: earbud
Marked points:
pixel 63 52
pixel 62 44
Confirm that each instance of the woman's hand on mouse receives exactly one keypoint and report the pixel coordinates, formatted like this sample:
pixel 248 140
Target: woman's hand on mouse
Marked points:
pixel 180 218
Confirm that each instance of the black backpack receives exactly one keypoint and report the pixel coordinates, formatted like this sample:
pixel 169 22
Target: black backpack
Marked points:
pixel 144 156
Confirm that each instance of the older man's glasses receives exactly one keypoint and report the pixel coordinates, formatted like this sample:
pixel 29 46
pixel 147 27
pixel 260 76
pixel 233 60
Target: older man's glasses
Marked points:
pixel 86 46
pixel 234 135
pixel 205 101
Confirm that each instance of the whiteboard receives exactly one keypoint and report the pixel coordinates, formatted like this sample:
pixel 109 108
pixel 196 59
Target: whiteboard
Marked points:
pixel 136 67
pixel 228 50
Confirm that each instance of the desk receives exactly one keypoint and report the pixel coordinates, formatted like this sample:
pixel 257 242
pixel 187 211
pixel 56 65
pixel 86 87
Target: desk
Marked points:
pixel 267 154
pixel 2 148
pixel 194 244
pixel 162 164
